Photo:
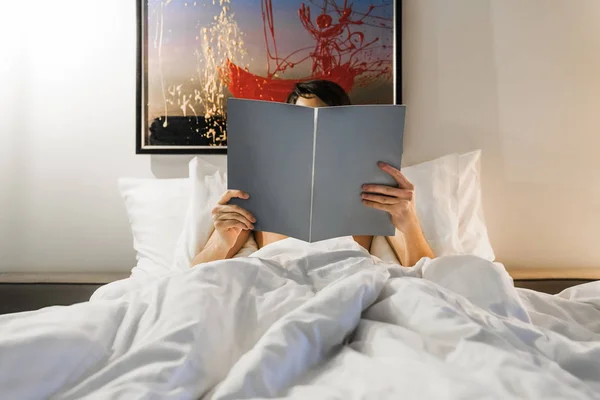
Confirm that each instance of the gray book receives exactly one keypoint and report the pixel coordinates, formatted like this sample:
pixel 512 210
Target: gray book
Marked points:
pixel 304 167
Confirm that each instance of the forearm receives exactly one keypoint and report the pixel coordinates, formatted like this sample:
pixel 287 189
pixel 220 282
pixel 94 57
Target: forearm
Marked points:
pixel 215 250
pixel 416 246
pixel 410 246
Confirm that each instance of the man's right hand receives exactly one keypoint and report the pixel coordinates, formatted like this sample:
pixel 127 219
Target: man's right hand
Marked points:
pixel 230 220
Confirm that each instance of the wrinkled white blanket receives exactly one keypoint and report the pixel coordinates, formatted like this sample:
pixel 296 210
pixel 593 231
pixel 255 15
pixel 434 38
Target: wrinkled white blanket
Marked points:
pixel 320 321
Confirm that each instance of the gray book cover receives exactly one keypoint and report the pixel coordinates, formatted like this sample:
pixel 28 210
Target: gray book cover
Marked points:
pixel 304 167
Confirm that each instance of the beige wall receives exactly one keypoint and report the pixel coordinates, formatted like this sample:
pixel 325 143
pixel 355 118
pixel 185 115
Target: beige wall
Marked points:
pixel 521 80
pixel 518 78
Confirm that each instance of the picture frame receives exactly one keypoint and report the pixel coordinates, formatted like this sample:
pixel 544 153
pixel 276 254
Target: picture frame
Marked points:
pixel 181 103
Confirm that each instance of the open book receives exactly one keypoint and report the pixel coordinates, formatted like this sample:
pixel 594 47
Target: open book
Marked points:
pixel 304 167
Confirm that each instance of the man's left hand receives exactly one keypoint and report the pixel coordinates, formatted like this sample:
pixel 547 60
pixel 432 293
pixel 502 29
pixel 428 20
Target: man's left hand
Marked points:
pixel 399 201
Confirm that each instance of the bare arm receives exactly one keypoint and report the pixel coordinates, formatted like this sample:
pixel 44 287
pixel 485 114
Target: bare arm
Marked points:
pixel 233 226
pixel 216 249
pixel 410 246
pixel 409 242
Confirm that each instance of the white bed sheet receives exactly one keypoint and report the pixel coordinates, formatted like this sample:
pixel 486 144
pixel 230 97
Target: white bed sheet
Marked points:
pixel 300 321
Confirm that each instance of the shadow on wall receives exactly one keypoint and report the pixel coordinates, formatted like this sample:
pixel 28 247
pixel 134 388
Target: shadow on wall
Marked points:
pixel 176 166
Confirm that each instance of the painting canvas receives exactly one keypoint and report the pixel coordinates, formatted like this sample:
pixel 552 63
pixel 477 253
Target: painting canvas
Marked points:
pixel 193 55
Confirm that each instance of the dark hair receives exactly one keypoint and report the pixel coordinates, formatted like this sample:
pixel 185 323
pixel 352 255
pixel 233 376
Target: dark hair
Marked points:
pixel 329 92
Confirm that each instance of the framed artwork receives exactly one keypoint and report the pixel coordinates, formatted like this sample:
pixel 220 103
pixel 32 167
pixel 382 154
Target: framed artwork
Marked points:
pixel 193 55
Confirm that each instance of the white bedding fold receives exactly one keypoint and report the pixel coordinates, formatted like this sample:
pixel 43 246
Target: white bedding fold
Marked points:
pixel 310 321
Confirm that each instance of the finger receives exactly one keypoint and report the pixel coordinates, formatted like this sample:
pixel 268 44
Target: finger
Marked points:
pixel 404 194
pixel 230 194
pixel 231 224
pixel 227 208
pixel 378 206
pixel 381 199
pixel 234 216
pixel 396 174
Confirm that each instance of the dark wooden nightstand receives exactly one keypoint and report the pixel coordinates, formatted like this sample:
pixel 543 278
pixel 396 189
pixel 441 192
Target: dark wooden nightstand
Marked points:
pixel 552 280
pixel 29 291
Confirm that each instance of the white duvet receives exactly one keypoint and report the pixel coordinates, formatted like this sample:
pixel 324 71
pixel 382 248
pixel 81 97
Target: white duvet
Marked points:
pixel 299 321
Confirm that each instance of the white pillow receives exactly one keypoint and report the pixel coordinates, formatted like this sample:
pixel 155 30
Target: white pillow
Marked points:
pixel 448 204
pixel 208 185
pixel 156 212
pixel 436 185
pixel 472 230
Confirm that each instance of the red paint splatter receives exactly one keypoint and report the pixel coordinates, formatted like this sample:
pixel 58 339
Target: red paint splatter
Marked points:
pixel 324 21
pixel 340 53
pixel 246 85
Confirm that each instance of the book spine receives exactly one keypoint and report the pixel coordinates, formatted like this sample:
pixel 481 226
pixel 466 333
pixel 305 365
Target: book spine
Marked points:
pixel 312 184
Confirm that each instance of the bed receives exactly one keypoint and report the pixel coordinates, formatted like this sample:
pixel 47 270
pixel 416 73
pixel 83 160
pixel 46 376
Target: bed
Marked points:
pixel 305 321
pixel 293 320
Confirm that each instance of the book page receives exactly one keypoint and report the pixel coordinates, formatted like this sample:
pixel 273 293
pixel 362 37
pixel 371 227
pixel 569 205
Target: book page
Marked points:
pixel 269 156
pixel 350 140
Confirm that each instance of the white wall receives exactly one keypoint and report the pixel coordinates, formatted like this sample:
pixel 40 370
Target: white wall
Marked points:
pixel 518 78
pixel 72 107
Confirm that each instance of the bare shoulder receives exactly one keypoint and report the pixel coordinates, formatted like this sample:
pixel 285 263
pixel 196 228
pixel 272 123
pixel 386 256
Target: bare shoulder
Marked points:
pixel 266 238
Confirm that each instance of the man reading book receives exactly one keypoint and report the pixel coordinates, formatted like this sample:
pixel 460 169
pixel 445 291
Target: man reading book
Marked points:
pixel 234 225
